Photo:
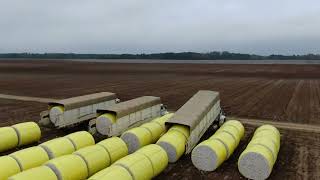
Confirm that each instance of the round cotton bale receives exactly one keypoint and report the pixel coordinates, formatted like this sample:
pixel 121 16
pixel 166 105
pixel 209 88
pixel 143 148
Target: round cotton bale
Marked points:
pixel 104 122
pixel 9 138
pixel 256 162
pixel 42 172
pixel 30 157
pixel 115 147
pixel 209 155
pixel 236 124
pixel 174 143
pixel 96 158
pixel 138 165
pixel 267 143
pixel 81 139
pixel 69 167
pixel 232 131
pixel 157 156
pixel 58 147
pixel 8 167
pixel 112 172
pixel 182 129
pixel 136 138
pixel 28 133
pixel 155 129
pixel 270 135
pixel 161 120
pixel 227 140
pixel 55 112
pixel 268 128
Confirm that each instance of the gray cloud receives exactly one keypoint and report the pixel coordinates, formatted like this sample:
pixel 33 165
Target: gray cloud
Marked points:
pixel 135 26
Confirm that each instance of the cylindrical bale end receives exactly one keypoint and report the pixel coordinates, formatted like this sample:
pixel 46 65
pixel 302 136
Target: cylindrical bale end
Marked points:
pixel 42 172
pixel 136 138
pixel 113 172
pixel 30 157
pixel 55 112
pixel 58 147
pixel 9 138
pixel 28 132
pixel 209 155
pixel 9 167
pixel 115 147
pixel 81 139
pixel 104 122
pixel 71 167
pixel 96 158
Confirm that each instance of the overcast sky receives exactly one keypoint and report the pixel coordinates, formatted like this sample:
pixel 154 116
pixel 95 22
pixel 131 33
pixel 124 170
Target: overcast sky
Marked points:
pixel 146 26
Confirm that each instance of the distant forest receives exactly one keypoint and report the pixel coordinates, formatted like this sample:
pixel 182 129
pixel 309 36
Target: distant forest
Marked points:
pixel 177 56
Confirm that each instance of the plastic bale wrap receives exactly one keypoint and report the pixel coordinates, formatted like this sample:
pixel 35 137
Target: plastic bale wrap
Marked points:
pixel 138 165
pixel 28 133
pixel 81 139
pixel 162 120
pixel 236 124
pixel 58 147
pixel 55 112
pixel 115 147
pixel 30 157
pixel 96 158
pixel 8 167
pixel 136 138
pixel 259 157
pixel 112 172
pixel 38 173
pixel 232 131
pixel 104 122
pixel 69 167
pixel 9 138
pixel 209 155
pixel 227 140
pixel 174 142
pixel 157 156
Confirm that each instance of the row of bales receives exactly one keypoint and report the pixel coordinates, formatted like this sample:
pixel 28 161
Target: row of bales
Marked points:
pixel 144 151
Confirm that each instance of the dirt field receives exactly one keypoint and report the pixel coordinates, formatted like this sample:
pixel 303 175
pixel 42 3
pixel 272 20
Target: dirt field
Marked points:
pixel 284 93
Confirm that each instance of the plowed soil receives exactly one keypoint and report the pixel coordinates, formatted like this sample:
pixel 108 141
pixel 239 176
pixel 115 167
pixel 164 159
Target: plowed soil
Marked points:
pixel 281 93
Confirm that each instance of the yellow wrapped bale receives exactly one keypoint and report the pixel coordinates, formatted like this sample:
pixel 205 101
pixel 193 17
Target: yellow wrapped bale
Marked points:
pixel 55 112
pixel 115 147
pixel 157 156
pixel 104 122
pixel 30 157
pixel 138 165
pixel 162 120
pixel 228 140
pixel 236 124
pixel 112 172
pixel 69 167
pixel 58 147
pixel 258 159
pixel 209 155
pixel 28 133
pixel 38 173
pixel 174 142
pixel 96 158
pixel 9 138
pixel 8 167
pixel 81 139
pixel 232 131
pixel 136 138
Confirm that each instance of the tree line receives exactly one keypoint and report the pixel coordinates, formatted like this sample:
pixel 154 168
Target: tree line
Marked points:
pixel 225 55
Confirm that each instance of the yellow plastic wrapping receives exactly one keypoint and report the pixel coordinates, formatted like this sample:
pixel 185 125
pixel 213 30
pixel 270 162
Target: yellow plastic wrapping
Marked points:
pixel 227 140
pixel 268 128
pixel 59 109
pixel 236 124
pixel 232 131
pixel 112 173
pixel 28 132
pixel 58 147
pixel 9 138
pixel 115 147
pixel 155 129
pixel 81 139
pixel 182 129
pixel 96 158
pixel 271 135
pixel 162 120
pixel 138 165
pixel 30 157
pixel 69 167
pixel 8 167
pixel 38 173
pixel 136 138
